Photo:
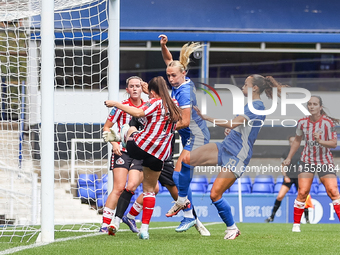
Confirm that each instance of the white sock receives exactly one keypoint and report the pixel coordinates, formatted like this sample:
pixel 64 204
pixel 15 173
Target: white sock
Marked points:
pixel 107 213
pixel 116 222
pixel 232 227
pixel 298 204
pixel 181 200
pixel 336 201
pixel 144 228
pixel 138 208
pixel 188 214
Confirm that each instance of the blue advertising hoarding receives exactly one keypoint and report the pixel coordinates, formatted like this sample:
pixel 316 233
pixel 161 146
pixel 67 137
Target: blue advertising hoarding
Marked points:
pixel 256 208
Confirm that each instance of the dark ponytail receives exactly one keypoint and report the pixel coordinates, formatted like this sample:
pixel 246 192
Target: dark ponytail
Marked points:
pixel 267 84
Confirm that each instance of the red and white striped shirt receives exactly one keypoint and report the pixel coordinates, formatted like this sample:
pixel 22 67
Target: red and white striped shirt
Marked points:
pixel 156 137
pixel 120 117
pixel 313 152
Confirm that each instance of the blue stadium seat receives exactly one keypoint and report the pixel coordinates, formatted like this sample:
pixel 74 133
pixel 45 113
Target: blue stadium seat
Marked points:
pixel 139 189
pixel 279 179
pixel 105 178
pixel 264 179
pixel 212 179
pixel 277 187
pixel 338 178
pixel 315 180
pixel 262 188
pixel 209 187
pixel 163 190
pixel 87 192
pixel 200 179
pixel 101 188
pixel 245 188
pixel 314 189
pixel 87 179
pixel 101 200
pixel 244 180
pixel 292 190
pixel 322 190
pixel 86 186
pixel 198 188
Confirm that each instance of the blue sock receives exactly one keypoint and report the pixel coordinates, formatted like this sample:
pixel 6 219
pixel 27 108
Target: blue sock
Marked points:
pixel 224 211
pixel 175 177
pixel 184 180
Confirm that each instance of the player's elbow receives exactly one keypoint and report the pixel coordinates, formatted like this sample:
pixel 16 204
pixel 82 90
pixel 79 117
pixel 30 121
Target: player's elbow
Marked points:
pixel 333 145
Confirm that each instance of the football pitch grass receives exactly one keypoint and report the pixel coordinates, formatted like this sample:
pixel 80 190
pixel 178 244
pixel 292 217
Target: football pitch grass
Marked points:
pixel 255 238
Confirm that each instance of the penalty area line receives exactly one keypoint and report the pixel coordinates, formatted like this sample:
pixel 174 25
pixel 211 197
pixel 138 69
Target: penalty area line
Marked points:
pixel 32 246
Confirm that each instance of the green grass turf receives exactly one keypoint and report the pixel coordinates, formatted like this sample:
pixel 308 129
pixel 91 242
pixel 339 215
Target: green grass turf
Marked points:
pixel 255 238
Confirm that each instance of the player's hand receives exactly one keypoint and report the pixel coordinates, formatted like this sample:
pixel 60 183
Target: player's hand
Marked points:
pixel 286 162
pixel 116 149
pixel 316 136
pixel 145 87
pixel 199 112
pixel 109 136
pixel 227 131
pixel 109 103
pixel 164 39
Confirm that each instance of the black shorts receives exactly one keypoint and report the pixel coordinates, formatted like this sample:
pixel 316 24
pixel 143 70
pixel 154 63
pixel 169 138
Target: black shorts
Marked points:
pixel 292 181
pixel 150 161
pixel 166 175
pixel 321 169
pixel 125 161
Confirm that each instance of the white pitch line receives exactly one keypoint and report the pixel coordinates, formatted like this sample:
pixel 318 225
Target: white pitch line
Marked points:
pixel 31 246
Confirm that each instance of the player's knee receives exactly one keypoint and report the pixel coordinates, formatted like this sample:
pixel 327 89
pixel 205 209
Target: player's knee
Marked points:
pixel 214 196
pixel 132 186
pixel 333 192
pixel 118 191
pixel 303 193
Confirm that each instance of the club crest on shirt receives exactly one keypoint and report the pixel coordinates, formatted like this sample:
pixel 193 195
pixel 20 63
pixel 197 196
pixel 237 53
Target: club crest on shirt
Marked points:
pixel 120 161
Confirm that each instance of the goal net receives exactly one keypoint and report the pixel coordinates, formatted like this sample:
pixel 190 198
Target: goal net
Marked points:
pixel 80 87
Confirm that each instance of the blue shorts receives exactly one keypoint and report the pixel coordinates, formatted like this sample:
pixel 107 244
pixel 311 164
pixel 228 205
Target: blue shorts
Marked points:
pixel 227 160
pixel 196 139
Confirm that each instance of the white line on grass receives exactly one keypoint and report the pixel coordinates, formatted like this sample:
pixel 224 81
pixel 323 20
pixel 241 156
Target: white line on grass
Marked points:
pixel 31 246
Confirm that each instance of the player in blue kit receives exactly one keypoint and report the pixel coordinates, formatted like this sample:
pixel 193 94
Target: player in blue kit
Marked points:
pixel 192 129
pixel 236 150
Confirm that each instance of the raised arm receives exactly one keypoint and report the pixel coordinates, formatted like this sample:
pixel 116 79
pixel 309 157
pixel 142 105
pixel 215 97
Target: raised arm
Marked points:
pixel 167 57
pixel 133 111
pixel 239 120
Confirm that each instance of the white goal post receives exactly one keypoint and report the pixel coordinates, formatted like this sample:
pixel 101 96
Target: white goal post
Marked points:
pixel 59 61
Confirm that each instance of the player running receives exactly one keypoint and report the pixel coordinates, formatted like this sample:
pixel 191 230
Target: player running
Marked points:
pixel 320 135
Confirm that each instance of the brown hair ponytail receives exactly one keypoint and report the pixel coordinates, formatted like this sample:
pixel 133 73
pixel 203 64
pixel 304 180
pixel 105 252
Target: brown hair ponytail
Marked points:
pixel 158 85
